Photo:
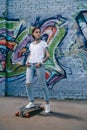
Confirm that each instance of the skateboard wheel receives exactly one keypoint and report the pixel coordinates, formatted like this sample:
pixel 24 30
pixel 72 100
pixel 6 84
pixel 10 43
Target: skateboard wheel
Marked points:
pixel 42 108
pixel 27 115
pixel 17 114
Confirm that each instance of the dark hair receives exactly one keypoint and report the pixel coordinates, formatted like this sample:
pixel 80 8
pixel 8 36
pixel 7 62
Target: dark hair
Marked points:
pixel 35 29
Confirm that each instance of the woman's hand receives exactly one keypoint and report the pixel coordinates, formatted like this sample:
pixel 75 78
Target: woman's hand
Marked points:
pixel 28 65
pixel 38 65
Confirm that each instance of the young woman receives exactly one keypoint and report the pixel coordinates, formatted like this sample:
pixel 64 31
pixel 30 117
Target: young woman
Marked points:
pixel 38 54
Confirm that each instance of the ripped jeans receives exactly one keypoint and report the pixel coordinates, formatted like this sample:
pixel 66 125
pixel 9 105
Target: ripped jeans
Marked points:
pixel 30 73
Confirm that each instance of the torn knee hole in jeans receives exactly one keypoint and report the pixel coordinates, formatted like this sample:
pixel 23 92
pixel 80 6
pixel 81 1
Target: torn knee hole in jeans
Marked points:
pixel 28 84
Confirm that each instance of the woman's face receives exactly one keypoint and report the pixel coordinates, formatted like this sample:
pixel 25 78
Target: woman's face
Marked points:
pixel 37 33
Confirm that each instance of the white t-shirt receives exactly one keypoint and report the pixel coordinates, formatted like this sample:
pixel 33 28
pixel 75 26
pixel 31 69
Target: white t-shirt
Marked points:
pixel 37 52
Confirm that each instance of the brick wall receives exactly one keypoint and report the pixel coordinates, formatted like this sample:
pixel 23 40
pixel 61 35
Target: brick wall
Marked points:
pixel 70 53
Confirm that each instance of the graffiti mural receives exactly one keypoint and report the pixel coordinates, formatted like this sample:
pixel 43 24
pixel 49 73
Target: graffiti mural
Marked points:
pixel 78 39
pixel 15 39
pixel 82 23
pixel 81 20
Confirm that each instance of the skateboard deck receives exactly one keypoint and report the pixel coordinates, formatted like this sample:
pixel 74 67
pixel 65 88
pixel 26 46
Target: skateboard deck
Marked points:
pixel 28 112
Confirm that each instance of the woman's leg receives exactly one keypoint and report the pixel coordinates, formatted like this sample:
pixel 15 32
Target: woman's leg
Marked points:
pixel 42 81
pixel 29 78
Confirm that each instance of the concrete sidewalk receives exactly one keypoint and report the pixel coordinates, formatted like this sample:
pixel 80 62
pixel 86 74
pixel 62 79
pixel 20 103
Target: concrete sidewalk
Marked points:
pixel 65 115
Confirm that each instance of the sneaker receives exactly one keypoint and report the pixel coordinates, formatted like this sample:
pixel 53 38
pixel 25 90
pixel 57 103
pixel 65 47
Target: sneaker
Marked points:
pixel 30 105
pixel 47 108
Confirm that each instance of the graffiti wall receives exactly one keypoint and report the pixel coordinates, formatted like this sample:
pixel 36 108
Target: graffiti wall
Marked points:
pixel 66 70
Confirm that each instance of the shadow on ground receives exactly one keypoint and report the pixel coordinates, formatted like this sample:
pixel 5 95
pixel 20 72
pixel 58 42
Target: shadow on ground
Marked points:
pixel 61 115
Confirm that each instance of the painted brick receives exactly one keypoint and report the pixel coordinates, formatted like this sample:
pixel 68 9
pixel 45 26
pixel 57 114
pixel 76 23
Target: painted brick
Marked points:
pixel 75 85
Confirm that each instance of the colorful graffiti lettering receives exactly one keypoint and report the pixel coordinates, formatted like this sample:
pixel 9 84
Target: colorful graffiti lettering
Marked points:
pixel 14 45
pixel 79 40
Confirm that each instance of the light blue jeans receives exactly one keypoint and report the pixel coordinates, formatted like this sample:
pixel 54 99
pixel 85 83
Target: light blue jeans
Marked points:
pixel 30 73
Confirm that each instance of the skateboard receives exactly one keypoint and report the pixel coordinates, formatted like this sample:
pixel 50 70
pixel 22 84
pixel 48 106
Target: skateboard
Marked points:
pixel 28 112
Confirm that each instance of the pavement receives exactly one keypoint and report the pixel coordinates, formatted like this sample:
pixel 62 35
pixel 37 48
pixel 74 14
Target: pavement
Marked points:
pixel 65 115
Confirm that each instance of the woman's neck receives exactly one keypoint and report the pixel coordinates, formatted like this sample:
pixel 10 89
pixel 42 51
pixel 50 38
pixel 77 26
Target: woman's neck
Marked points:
pixel 36 41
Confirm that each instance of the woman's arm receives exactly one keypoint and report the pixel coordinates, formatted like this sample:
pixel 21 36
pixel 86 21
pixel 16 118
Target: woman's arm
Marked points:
pixel 47 55
pixel 27 62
